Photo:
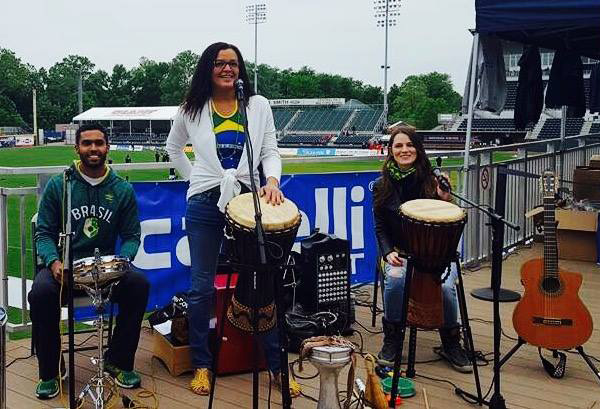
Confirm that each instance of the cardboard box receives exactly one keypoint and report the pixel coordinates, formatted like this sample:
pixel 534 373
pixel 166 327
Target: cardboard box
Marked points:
pixel 586 183
pixel 576 235
pixel 595 162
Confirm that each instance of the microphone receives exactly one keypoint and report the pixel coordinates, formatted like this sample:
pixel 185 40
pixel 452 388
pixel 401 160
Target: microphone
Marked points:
pixel 239 89
pixel 441 179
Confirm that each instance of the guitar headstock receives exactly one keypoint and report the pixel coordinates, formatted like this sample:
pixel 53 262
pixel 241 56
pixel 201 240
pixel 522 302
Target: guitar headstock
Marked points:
pixel 548 184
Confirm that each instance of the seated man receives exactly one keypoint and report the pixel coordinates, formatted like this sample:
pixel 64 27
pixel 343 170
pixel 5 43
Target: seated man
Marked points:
pixel 103 207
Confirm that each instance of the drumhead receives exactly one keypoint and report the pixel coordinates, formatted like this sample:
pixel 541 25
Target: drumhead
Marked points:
pixel 274 217
pixel 433 211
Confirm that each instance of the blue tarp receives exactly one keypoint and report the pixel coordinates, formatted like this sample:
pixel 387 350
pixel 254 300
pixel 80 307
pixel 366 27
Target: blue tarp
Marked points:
pixel 551 24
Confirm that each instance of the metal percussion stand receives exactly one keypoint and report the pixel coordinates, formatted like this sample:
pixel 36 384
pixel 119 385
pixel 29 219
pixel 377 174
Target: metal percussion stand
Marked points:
pixel 101 388
pixel 262 269
pixel 462 304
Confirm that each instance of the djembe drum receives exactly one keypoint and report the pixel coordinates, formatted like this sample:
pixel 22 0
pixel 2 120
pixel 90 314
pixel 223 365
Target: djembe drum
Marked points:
pixel 330 360
pixel 280 224
pixel 431 230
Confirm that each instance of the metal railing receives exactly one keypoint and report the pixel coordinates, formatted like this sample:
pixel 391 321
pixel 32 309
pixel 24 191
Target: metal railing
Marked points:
pixel 522 195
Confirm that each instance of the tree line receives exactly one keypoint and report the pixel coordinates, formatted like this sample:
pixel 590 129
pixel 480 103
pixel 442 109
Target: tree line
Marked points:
pixel 417 100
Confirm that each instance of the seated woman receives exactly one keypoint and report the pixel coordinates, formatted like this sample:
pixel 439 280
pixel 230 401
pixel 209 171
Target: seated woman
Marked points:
pixel 407 175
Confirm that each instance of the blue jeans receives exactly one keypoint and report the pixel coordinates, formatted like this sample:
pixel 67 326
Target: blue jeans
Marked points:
pixel 204 225
pixel 393 288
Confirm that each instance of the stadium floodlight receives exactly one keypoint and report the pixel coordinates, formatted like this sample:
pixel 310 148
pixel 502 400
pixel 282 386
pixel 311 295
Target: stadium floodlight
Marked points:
pixel 386 15
pixel 256 14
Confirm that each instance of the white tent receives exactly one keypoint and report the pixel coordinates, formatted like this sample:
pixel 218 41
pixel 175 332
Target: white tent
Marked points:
pixel 128 114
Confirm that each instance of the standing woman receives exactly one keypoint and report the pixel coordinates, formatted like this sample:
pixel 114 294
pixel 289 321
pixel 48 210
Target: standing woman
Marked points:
pixel 407 175
pixel 210 119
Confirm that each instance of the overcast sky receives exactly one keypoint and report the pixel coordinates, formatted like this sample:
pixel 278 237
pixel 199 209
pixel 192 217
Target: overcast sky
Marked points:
pixel 334 36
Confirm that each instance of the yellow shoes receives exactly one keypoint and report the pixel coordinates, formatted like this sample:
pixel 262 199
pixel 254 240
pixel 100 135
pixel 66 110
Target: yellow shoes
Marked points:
pixel 200 385
pixel 295 389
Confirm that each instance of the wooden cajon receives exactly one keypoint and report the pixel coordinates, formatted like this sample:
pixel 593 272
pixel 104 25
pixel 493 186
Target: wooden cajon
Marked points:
pixel 177 359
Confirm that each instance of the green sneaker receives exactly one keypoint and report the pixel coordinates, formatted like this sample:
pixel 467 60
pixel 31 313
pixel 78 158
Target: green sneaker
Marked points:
pixel 49 389
pixel 125 379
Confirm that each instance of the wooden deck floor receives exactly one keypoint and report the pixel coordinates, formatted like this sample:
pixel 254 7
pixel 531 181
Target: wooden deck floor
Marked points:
pixel 524 382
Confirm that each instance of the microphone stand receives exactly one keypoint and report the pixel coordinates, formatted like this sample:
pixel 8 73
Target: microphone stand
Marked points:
pixel 68 275
pixel 497 222
pixel 264 268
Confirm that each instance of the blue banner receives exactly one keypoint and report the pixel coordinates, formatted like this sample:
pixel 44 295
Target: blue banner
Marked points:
pixel 339 203
pixel 316 151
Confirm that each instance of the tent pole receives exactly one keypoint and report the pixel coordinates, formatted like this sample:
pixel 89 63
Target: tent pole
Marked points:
pixel 474 53
pixel 563 134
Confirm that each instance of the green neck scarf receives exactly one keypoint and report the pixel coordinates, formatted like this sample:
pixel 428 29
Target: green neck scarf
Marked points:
pixel 396 173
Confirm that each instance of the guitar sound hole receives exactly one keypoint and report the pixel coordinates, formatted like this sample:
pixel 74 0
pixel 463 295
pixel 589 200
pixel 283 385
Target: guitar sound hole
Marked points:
pixel 551 285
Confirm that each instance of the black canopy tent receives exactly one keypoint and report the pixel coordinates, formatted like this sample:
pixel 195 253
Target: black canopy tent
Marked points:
pixel 551 24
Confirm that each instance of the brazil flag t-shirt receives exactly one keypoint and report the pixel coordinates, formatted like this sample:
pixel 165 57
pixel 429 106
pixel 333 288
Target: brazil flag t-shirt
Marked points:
pixel 229 132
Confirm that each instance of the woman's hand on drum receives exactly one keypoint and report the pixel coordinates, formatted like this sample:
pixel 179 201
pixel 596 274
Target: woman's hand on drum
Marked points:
pixel 271 192
pixel 394 259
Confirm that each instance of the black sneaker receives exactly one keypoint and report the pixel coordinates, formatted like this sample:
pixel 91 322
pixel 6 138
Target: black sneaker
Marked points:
pixel 456 356
pixel 387 355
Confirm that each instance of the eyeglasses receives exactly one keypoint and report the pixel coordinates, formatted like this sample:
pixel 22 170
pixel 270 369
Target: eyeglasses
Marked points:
pixel 220 65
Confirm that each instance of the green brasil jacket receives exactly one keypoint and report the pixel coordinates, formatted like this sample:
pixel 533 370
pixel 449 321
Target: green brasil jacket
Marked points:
pixel 99 213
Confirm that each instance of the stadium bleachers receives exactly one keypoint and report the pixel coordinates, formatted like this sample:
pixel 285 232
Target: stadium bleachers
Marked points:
pixel 511 94
pixel 551 128
pixel 137 138
pixel 354 140
pixel 321 119
pixel 366 119
pixel 595 128
pixel 489 124
pixel 304 140
pixel 282 116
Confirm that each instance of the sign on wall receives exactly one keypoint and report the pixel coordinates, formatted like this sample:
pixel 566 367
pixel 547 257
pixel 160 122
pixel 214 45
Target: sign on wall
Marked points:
pixel 339 204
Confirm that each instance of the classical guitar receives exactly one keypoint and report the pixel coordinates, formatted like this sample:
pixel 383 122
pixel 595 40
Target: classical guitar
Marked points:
pixel 551 315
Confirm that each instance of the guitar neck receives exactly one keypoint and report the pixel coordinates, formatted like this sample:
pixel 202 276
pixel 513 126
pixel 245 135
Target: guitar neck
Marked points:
pixel 550 246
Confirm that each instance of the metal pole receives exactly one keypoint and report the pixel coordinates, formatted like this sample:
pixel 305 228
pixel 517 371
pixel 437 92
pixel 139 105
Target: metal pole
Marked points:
pixel 4 247
pixel 385 65
pixel 35 129
pixel 256 48
pixel 3 319
pixel 23 254
pixel 80 93
pixel 475 51
pixel 563 134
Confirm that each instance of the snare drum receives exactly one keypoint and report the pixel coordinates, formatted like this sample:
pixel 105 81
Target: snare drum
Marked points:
pixel 280 224
pixel 110 269
pixel 431 230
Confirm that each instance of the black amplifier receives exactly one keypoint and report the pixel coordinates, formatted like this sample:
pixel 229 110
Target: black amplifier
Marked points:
pixel 325 273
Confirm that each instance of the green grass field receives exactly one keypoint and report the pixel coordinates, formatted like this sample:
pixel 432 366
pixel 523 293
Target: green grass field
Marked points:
pixel 61 155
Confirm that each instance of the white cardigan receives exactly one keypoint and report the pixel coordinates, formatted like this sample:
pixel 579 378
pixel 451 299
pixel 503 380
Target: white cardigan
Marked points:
pixel 207 172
